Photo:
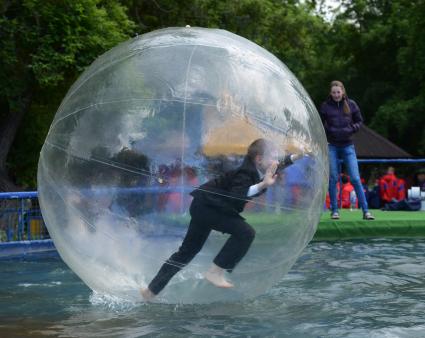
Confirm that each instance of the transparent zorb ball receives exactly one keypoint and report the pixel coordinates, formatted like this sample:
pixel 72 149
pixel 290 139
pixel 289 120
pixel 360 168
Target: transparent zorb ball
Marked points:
pixel 148 122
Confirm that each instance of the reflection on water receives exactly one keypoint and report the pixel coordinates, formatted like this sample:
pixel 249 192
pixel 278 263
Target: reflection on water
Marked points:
pixel 342 289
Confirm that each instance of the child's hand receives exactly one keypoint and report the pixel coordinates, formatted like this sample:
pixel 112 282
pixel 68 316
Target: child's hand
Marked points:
pixel 308 151
pixel 305 152
pixel 295 157
pixel 270 176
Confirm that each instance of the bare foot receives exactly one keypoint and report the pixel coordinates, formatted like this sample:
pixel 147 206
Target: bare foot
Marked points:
pixel 147 294
pixel 215 275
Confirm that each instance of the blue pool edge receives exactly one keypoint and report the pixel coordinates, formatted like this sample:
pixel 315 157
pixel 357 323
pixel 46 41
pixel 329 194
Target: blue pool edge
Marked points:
pixel 19 248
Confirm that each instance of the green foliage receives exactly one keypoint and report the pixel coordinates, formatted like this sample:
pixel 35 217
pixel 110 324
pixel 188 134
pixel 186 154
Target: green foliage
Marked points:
pixel 376 47
pixel 44 45
pixel 401 117
pixel 53 39
pixel 403 121
pixel 380 50
pixel 23 158
pixel 288 29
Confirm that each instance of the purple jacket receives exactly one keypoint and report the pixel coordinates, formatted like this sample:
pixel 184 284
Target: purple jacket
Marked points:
pixel 339 126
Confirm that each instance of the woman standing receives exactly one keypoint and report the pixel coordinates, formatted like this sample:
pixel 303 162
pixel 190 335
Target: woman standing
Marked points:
pixel 341 118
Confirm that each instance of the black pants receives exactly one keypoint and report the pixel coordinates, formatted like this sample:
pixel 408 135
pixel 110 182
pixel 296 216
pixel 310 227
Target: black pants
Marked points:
pixel 204 219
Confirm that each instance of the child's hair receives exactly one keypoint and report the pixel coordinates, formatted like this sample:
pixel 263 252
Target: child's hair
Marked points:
pixel 260 147
pixel 339 84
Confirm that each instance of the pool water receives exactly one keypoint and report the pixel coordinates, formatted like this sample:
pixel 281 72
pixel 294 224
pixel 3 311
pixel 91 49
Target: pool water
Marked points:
pixel 370 288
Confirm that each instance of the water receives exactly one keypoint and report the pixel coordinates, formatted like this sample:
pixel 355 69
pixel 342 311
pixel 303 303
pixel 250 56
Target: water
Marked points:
pixel 341 289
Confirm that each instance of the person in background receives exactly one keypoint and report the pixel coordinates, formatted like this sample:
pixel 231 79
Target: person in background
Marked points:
pixel 419 180
pixel 341 118
pixel 372 189
pixel 392 188
pixel 348 195
pixel 393 192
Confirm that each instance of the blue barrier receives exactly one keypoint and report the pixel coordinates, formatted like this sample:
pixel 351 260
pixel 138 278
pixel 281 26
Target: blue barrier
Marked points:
pixel 392 160
pixel 20 217
pixel 18 195
pixel 19 248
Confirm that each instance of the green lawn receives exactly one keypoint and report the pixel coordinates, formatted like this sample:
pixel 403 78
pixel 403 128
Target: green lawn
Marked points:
pixel 388 224
pixel 356 215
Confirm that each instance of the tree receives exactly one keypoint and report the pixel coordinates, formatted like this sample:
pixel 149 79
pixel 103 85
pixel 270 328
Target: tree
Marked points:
pixel 402 117
pixel 374 46
pixel 379 54
pixel 44 45
pixel 289 29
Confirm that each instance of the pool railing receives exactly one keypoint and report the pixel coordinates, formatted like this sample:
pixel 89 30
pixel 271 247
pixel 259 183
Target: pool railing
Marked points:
pixel 20 217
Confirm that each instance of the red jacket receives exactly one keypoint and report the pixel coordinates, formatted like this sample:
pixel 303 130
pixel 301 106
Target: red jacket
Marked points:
pixel 391 188
pixel 344 199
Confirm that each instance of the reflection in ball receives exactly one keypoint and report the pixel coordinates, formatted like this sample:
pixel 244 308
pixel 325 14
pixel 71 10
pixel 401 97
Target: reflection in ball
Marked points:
pixel 148 122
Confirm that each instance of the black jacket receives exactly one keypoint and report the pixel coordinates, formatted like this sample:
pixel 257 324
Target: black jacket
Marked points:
pixel 229 191
pixel 339 126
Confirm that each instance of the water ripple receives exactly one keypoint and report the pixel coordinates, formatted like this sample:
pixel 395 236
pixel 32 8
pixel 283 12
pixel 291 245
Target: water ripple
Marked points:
pixel 339 289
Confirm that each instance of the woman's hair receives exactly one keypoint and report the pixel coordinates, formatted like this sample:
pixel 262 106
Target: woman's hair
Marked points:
pixel 339 84
pixel 261 147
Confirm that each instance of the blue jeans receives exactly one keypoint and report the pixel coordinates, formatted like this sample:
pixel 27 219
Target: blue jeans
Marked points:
pixel 348 155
